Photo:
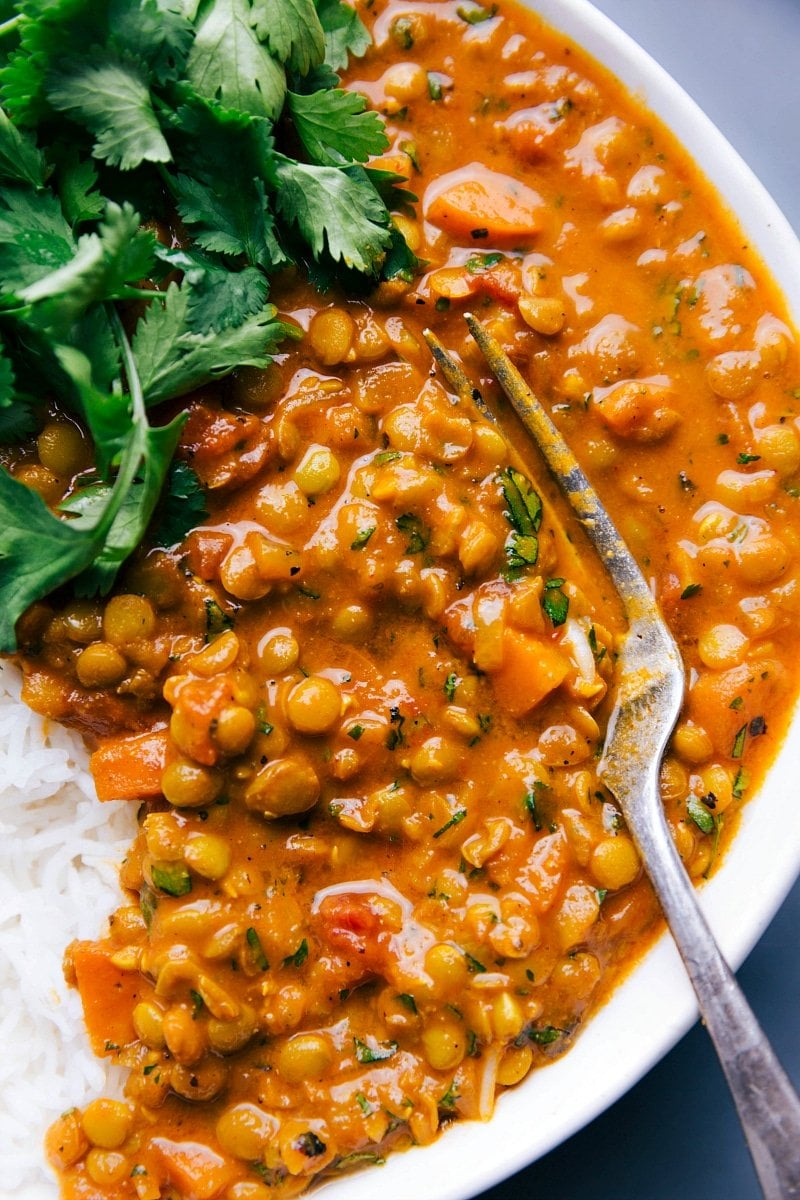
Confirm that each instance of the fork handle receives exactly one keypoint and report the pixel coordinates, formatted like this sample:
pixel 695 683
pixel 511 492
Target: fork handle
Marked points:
pixel 768 1106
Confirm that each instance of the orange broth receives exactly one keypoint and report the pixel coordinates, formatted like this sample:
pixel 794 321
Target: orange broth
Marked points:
pixel 376 879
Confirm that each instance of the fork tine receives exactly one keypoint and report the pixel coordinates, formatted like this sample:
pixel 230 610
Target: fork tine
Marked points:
pixel 456 377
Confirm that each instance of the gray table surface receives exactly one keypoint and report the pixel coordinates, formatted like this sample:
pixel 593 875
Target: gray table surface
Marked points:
pixel 676 1134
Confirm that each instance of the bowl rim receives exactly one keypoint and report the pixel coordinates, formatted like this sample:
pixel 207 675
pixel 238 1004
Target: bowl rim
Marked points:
pixel 654 1006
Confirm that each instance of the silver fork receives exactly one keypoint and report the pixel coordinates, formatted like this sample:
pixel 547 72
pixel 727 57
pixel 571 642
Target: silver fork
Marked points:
pixel 650 688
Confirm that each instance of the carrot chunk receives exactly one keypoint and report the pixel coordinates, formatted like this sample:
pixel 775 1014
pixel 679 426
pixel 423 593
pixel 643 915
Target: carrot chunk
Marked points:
pixel 725 702
pixel 477 202
pixel 532 668
pixel 197 1171
pixel 107 993
pixel 130 767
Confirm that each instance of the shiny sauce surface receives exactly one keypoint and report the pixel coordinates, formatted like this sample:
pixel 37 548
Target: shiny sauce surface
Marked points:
pixel 376 879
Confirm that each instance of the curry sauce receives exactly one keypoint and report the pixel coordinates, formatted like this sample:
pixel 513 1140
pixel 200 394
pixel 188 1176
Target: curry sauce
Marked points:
pixel 361 704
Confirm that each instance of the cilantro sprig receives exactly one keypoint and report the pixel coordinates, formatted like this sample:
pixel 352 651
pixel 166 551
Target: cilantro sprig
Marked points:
pixel 228 115
pixel 524 515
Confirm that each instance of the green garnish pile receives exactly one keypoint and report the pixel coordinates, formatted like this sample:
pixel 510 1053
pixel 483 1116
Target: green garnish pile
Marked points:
pixel 225 113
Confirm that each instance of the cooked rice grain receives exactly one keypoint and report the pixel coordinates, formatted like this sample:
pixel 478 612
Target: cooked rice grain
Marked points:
pixel 59 852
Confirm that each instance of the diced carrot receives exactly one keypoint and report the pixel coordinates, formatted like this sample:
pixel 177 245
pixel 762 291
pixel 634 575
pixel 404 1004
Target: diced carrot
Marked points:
pixel 205 550
pixel 130 767
pixel 724 702
pixel 108 994
pixel 532 668
pixel 501 280
pixel 197 1171
pixel 480 203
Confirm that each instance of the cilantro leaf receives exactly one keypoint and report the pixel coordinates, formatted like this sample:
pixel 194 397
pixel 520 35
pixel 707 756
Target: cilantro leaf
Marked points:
pixel 104 266
pixel 299 957
pixel 386 184
pixel 37 553
pixel 292 30
pixel 174 359
pixel 220 195
pixel 230 221
pixel 337 210
pixel 144 462
pixel 34 237
pixel 111 99
pixel 198 84
pixel 400 262
pixel 700 815
pixel 228 63
pixel 374 1052
pixel 184 506
pixel 524 514
pixel 555 602
pixel 107 415
pixel 223 299
pixel 156 447
pixel 335 128
pixel 20 159
pixel 7 380
pixel 17 422
pixel 344 31
pixel 77 190
pixel 154 34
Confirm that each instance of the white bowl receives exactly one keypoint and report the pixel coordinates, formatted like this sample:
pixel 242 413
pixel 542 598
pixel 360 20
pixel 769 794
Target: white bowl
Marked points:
pixel 655 1006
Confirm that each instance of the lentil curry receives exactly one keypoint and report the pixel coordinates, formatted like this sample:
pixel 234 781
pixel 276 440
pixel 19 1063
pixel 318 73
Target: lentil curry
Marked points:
pixel 376 880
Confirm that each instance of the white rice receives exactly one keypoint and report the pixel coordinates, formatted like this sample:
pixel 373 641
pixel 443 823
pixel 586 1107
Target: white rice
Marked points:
pixel 59 853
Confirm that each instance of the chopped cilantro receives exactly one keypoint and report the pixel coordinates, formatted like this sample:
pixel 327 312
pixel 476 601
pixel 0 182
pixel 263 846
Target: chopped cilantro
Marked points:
pixel 403 32
pixel 474 14
pixel 483 262
pixel 456 819
pixel 377 1052
pixel 262 724
pixel 691 589
pixel 698 812
pixel 217 620
pixel 438 83
pixel 544 1036
pixel 299 957
pixel 362 537
pixel 450 685
pixel 184 506
pixel 473 965
pixel 740 783
pixel 524 514
pixel 257 950
pixel 737 750
pixel 172 878
pixel 418 534
pixel 554 602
